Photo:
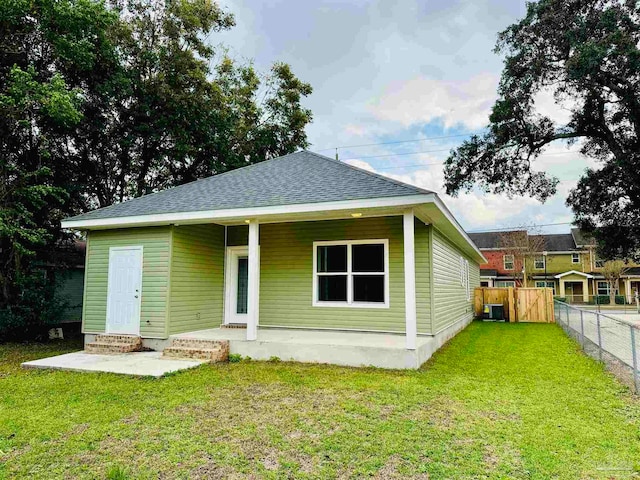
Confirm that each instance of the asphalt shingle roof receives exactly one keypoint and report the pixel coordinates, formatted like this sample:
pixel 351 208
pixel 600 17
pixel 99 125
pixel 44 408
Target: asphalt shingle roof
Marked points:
pixel 301 177
pixel 560 242
pixel 581 239
pixel 490 239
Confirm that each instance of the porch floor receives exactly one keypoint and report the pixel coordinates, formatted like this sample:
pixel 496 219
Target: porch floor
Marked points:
pixel 354 349
pixel 136 363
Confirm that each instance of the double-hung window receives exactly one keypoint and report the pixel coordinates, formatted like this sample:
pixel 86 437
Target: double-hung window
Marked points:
pixel 508 261
pixel 575 258
pixel 543 284
pixel 603 288
pixel 352 273
pixel 538 262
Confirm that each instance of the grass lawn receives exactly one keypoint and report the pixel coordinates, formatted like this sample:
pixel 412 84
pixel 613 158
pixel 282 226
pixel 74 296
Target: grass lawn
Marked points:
pixel 500 401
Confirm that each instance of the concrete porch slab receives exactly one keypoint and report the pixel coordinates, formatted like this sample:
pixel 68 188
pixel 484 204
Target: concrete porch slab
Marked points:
pixel 137 363
pixel 354 349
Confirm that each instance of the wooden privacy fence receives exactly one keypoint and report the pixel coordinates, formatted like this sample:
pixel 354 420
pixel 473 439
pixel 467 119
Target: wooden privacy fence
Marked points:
pixel 520 304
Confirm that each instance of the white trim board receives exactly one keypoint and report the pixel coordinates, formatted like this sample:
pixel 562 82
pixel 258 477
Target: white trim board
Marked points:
pixel 243 213
pixel 571 272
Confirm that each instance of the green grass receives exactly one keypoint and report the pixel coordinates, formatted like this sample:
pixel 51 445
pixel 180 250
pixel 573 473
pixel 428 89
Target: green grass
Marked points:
pixel 500 401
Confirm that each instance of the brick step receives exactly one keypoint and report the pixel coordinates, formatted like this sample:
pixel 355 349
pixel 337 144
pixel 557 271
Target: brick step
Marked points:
pixel 111 347
pixel 211 350
pixel 200 343
pixel 122 339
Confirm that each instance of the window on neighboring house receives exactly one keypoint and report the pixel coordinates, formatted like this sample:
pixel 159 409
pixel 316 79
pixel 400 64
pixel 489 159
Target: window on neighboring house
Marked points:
pixel 351 273
pixel 504 283
pixel 543 284
pixel 575 258
pixel 603 288
pixel 598 262
pixel 508 262
pixel 538 262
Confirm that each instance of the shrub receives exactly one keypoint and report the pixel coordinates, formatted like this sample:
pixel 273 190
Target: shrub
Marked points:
pixel 620 300
pixel 603 300
pixel 235 358
pixel 38 310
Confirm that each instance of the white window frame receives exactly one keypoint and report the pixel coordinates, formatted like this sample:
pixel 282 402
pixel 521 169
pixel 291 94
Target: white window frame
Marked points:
pixel 575 258
pixel 513 262
pixel 350 274
pixel 547 284
pixel 536 260
pixel 608 288
pixel 504 283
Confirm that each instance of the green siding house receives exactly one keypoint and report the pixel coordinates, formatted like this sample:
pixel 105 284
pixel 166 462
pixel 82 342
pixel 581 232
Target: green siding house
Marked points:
pixel 301 243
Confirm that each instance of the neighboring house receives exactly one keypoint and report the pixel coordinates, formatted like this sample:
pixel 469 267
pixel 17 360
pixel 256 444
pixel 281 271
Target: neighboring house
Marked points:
pixel 66 268
pixel 568 264
pixel 502 269
pixel 296 242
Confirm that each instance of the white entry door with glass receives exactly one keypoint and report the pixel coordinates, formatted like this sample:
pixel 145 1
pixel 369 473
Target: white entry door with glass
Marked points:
pixel 237 285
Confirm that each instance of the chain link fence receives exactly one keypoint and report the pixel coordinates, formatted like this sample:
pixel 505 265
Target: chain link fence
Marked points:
pixel 611 340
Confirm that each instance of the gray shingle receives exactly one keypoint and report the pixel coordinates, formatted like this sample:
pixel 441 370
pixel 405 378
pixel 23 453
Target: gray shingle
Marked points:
pixel 491 239
pixel 301 177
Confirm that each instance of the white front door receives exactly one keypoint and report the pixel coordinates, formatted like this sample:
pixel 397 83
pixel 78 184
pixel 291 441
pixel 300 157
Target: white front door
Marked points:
pixel 124 290
pixel 237 285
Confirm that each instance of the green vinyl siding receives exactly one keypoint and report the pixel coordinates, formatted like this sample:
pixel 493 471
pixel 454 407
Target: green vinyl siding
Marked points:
pixel 450 296
pixel 286 275
pixel 197 278
pixel 558 263
pixel 69 289
pixel 155 270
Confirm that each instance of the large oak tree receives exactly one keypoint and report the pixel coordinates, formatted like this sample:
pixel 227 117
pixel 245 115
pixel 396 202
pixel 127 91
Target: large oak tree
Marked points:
pixel 104 101
pixel 586 53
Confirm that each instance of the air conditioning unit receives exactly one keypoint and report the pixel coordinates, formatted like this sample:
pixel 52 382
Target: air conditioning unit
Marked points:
pixel 493 311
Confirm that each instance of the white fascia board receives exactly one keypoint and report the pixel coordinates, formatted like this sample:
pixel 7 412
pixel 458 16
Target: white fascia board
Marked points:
pixel 257 212
pixel 440 204
pixel 571 272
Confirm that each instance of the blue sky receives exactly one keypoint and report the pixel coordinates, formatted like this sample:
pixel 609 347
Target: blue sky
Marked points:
pixel 387 71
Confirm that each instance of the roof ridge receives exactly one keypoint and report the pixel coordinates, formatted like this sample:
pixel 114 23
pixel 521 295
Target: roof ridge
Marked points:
pixel 368 172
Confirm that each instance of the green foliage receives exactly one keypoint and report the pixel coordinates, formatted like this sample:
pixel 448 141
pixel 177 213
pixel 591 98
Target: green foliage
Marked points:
pixel 116 472
pixel 235 358
pixel 584 53
pixel 500 401
pixel 101 102
pixel 38 310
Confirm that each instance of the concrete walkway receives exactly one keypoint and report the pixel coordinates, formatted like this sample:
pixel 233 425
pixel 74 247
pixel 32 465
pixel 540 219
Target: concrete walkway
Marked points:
pixel 149 364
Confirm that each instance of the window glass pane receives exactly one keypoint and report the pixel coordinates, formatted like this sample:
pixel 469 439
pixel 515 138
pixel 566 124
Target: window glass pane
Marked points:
pixel 368 258
pixel 243 284
pixel 368 288
pixel 332 258
pixel 332 288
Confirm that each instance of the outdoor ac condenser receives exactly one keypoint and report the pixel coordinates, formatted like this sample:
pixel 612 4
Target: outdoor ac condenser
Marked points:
pixel 493 311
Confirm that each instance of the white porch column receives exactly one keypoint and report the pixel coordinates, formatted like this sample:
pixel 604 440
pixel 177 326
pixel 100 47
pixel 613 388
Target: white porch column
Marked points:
pixel 627 289
pixel 253 280
pixel 585 290
pixel 409 280
pixel 561 285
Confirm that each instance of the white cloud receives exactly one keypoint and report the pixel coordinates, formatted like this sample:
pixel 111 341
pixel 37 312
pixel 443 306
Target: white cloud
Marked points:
pixel 424 100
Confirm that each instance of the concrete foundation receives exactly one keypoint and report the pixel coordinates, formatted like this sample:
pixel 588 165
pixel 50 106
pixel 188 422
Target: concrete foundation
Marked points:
pixel 148 364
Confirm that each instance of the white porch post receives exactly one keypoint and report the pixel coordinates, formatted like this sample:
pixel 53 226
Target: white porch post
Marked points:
pixel 253 281
pixel 627 289
pixel 561 285
pixel 585 290
pixel 409 280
